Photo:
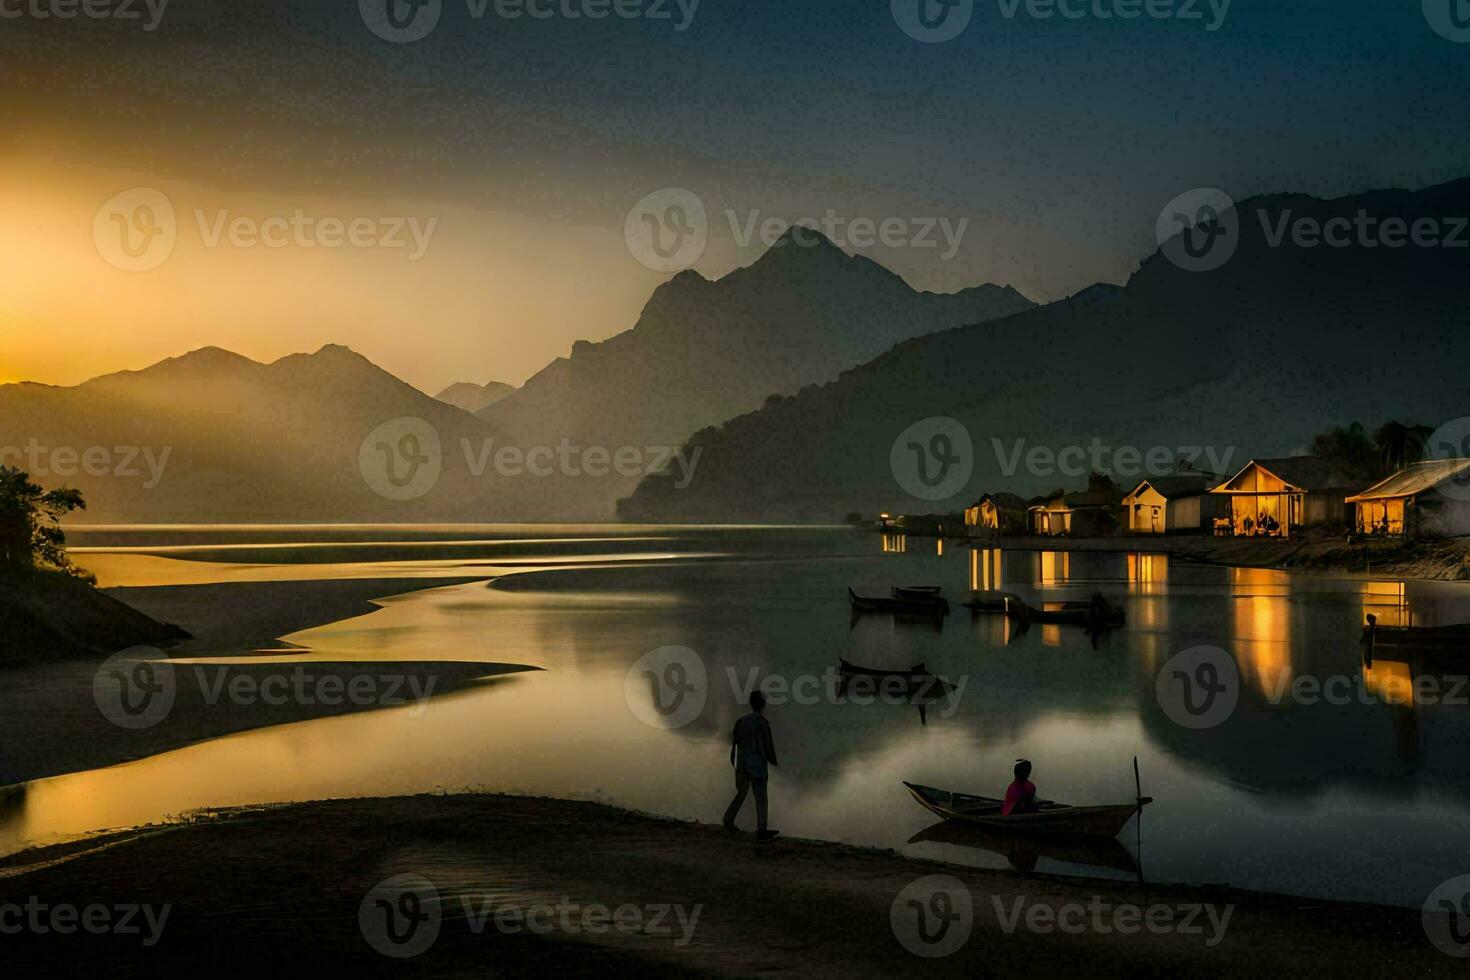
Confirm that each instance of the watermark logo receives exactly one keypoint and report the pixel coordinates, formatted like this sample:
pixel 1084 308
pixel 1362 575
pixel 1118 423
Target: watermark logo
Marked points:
pixel 1199 687
pixel 668 687
pixel 932 21
pixel 40 918
pixel 123 10
pixel 121 462
pixel 1452 441
pixel 850 233
pixel 401 916
pixel 1099 457
pixel 401 21
pixel 668 230
pixel 401 459
pixel 933 458
pixel 1450 19
pixel 135 688
pixel 1446 917
pixel 933 917
pixel 136 231
pixel 1104 918
pixel 1199 230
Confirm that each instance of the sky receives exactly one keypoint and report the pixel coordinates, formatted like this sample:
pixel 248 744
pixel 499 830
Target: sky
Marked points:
pixel 516 148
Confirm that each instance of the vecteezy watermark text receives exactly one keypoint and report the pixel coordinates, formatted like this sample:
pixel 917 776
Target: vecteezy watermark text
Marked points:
pixel 934 21
pixel 1200 230
pixel 406 21
pixel 124 10
pixel 1098 457
pixel 670 686
pixel 99 461
pixel 403 459
pixel 137 688
pixel 849 233
pixel 934 916
pixel 138 230
pixel 402 917
pixel 63 919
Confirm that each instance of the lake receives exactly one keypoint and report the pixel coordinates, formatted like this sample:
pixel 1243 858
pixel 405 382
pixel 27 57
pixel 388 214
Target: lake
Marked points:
pixel 1328 777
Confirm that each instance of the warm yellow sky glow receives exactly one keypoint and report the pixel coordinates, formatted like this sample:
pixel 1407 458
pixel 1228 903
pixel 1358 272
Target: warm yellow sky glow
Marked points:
pixel 493 297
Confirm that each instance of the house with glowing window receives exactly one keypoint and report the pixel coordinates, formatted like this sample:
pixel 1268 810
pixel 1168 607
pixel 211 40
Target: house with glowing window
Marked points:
pixel 1001 513
pixel 1429 499
pixel 1088 513
pixel 1273 497
pixel 1164 504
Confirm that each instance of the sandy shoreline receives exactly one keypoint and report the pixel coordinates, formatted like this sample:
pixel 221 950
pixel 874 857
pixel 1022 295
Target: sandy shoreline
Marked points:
pixel 50 722
pixel 260 886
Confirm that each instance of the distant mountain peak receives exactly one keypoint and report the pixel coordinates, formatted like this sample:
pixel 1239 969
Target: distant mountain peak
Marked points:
pixel 472 397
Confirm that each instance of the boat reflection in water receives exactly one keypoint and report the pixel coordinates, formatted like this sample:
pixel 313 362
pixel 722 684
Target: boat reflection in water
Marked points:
pixel 1023 852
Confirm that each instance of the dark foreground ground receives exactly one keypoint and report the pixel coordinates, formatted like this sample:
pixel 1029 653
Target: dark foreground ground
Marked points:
pixel 509 885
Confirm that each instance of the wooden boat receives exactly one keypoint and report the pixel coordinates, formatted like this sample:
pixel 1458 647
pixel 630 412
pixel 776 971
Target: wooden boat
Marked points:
pixel 1427 639
pixel 847 667
pixel 933 605
pixel 915 591
pixel 1051 818
pixel 1023 850
pixel 1095 614
pixel 995 602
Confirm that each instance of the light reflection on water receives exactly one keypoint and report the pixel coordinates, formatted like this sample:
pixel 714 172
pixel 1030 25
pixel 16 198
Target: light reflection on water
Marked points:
pixel 1365 800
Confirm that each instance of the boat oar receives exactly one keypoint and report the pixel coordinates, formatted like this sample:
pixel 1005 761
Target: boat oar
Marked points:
pixel 1138 828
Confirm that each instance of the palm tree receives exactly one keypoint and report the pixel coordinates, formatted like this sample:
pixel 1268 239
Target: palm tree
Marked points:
pixel 1399 444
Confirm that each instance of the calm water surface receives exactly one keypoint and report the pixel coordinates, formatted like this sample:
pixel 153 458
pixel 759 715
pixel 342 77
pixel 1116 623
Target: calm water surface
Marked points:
pixel 1365 800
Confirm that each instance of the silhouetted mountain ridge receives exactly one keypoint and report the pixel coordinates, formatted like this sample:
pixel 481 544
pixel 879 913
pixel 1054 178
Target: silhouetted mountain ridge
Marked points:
pixel 1251 358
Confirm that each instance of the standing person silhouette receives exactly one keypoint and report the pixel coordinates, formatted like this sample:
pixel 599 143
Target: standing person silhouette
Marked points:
pixel 751 749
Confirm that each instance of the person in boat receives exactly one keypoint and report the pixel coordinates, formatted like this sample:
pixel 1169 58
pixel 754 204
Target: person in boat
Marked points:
pixel 751 750
pixel 1021 793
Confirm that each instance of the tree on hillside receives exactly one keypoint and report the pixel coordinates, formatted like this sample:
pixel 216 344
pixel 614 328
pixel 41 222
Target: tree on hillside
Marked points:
pixel 1400 444
pixel 1351 449
pixel 30 530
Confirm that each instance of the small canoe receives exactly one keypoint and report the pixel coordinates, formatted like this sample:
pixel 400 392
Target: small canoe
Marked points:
pixel 928 605
pixel 847 667
pixel 1051 818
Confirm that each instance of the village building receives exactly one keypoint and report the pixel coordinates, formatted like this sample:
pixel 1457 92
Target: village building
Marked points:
pixel 1000 513
pixel 1083 514
pixel 1273 497
pixel 1164 504
pixel 1429 499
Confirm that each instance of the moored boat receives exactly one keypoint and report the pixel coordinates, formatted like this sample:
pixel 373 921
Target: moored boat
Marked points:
pixel 929 605
pixel 1050 818
pixel 1435 639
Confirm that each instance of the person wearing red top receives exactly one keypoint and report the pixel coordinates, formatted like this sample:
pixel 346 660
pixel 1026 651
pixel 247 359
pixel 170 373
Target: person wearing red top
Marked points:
pixel 1020 794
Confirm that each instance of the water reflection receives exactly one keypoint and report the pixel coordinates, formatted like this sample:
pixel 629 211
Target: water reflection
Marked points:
pixel 1243 802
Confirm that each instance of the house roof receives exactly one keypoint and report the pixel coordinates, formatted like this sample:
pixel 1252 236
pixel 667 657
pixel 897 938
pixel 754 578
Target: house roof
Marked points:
pixel 1415 478
pixel 1182 485
pixel 1004 501
pixel 1303 472
pixel 1078 501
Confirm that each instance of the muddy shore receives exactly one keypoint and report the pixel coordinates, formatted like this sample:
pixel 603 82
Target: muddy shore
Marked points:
pixel 513 884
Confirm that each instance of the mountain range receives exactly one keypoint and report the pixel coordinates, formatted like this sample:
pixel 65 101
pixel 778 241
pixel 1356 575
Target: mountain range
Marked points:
pixel 704 351
pixel 329 436
pixel 1295 332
